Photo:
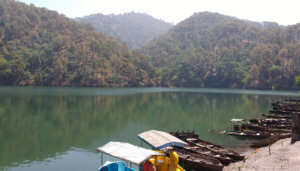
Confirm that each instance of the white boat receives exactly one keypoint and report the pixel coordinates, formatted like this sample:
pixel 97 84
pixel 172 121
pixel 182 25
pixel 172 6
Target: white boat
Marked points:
pixel 133 156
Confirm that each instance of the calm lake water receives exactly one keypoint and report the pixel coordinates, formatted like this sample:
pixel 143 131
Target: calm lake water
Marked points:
pixel 60 128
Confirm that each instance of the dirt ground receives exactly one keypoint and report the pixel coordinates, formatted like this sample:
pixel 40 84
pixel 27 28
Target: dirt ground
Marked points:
pixel 281 156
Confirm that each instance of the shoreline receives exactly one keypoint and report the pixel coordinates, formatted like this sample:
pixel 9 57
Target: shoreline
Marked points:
pixel 280 156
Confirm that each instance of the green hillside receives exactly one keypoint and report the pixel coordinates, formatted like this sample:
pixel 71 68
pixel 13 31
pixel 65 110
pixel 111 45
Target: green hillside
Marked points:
pixel 41 47
pixel 213 50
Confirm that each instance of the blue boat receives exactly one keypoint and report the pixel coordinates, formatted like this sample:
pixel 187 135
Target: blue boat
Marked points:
pixel 116 166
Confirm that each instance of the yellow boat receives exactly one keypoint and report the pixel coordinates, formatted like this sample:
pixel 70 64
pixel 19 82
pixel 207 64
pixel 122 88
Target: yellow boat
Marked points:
pixel 167 163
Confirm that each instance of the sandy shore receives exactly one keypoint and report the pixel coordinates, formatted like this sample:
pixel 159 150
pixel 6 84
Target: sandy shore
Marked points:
pixel 281 156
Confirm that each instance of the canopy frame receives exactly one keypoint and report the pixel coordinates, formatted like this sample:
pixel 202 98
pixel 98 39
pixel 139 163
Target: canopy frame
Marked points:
pixel 127 152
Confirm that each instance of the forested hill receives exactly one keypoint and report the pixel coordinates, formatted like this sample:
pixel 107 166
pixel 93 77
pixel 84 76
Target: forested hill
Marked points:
pixel 213 50
pixel 135 29
pixel 41 47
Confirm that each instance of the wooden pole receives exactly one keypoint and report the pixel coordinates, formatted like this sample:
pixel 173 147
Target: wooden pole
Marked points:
pixel 295 128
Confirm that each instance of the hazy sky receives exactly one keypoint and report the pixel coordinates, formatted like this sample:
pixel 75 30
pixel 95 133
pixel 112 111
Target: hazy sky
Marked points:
pixel 284 12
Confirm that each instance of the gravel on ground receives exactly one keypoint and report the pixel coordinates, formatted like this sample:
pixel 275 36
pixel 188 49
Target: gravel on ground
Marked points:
pixel 281 156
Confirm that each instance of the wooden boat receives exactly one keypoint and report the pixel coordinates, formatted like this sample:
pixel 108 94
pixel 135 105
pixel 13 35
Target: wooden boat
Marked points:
pixel 271 121
pixel 277 116
pixel 286 105
pixel 269 125
pixel 190 157
pixel 288 108
pixel 270 140
pixel 283 112
pixel 249 134
pixel 225 160
pixel 256 127
pixel 195 161
pixel 293 100
pixel 193 140
pixel 277 125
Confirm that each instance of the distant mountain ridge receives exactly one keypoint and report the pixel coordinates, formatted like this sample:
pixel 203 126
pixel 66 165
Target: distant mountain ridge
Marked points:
pixel 214 50
pixel 135 29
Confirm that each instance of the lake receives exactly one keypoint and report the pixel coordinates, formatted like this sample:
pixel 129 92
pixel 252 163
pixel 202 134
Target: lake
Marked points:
pixel 60 128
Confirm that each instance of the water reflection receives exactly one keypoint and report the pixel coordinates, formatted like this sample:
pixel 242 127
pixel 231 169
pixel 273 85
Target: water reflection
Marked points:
pixel 38 127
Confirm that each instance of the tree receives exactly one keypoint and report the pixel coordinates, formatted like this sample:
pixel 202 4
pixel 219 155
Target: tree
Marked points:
pixel 4 70
pixel 3 63
pixel 41 47
pixel 298 80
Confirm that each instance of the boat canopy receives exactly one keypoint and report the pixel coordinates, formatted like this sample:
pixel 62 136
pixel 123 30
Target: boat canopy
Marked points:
pixel 128 152
pixel 160 139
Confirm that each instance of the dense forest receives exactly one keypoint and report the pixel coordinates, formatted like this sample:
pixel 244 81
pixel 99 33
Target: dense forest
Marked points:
pixel 135 29
pixel 212 50
pixel 298 80
pixel 41 47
